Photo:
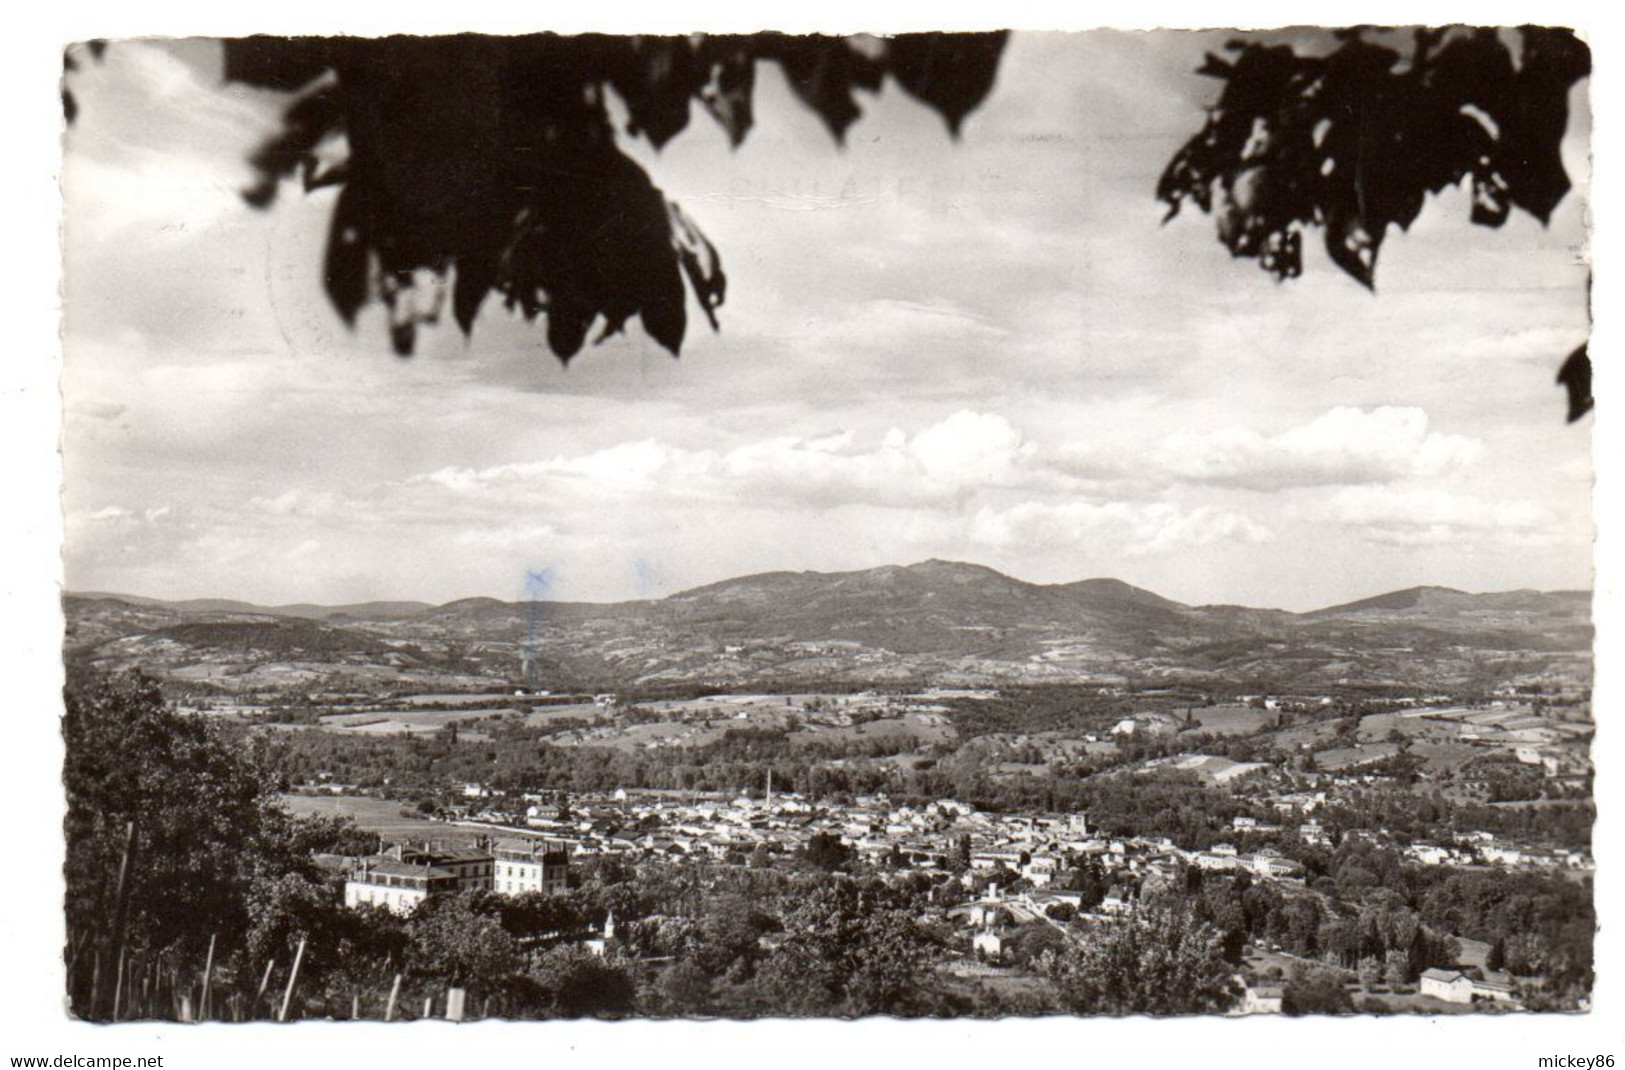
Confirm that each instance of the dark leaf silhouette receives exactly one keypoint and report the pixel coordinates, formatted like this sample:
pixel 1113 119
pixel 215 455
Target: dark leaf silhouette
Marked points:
pixel 311 119
pixel 824 71
pixel 1353 141
pixel 345 272
pixel 1575 376
pixel 950 73
pixel 480 165
pixel 489 164
pixel 70 63
pixel 727 96
pixel 285 63
pixel 700 263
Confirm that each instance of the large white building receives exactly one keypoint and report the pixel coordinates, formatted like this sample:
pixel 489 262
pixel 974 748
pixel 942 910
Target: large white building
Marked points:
pixel 530 866
pixel 402 878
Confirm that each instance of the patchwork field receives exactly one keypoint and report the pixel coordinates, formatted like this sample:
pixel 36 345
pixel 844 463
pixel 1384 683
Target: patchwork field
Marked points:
pixel 810 718
pixel 383 816
pixel 922 728
pixel 1341 759
pixel 410 722
pixel 487 698
pixel 1232 720
pixel 1413 724
pixel 1445 757
pixel 577 711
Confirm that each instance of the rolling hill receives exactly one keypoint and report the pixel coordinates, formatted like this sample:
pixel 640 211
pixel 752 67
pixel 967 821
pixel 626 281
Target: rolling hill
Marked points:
pixel 938 621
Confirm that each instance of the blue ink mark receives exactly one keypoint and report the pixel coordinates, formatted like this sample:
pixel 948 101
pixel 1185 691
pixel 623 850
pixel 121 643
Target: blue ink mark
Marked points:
pixel 537 585
pixel 648 580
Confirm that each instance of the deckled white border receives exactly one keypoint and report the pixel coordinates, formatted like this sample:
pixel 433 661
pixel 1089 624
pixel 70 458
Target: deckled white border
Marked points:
pixel 31 1019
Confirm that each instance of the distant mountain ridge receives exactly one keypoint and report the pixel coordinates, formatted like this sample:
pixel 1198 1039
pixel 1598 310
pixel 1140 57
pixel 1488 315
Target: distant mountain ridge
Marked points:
pixel 296 609
pixel 1447 598
pixel 950 622
pixel 785 581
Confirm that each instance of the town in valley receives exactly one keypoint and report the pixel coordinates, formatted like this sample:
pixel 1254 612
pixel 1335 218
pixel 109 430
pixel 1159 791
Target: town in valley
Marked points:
pixel 1319 838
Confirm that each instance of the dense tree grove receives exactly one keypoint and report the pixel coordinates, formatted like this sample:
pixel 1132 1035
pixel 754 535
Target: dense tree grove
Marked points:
pixel 185 815
pixel 1160 961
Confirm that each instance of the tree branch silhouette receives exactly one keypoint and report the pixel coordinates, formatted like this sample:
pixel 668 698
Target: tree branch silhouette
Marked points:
pixel 490 164
pixel 1353 141
pixel 476 165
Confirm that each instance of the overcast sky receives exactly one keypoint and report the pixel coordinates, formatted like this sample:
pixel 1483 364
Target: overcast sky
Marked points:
pixel 986 350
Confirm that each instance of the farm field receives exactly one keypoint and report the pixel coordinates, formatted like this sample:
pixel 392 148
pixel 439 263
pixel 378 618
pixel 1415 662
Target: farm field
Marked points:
pixel 1341 758
pixel 812 719
pixel 1414 724
pixel 923 728
pixel 581 711
pixel 1232 720
pixel 1302 735
pixel 395 722
pixel 454 699
pixel 636 736
pixel 1446 757
pixel 382 816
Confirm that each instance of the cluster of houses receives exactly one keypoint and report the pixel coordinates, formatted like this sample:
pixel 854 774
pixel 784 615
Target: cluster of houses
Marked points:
pixel 1034 848
pixel 1015 860
pixel 1475 848
pixel 1484 847
pixel 1261 864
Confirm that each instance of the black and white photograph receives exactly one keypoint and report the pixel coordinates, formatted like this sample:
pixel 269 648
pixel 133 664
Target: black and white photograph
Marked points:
pixel 1048 525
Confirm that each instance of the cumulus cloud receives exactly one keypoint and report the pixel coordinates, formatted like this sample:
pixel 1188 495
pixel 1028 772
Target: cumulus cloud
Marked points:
pixel 485 537
pixel 173 168
pixel 943 462
pixel 1424 517
pixel 1140 529
pixel 1345 446
pixel 296 502
pixel 117 515
pixel 971 477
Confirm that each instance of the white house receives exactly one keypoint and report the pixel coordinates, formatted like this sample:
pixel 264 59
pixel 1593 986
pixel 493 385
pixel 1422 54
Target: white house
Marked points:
pixel 1453 986
pixel 1115 904
pixel 1263 999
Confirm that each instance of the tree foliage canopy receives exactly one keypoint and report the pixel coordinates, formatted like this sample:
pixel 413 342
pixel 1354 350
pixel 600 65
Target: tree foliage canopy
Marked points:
pixel 496 158
pixel 474 165
pixel 206 827
pixel 1353 141
pixel 852 948
pixel 1159 961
